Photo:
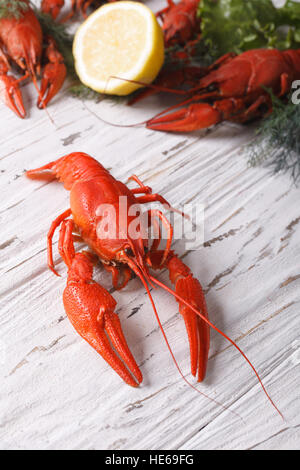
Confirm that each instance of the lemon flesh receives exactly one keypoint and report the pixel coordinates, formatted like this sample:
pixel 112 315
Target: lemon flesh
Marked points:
pixel 123 40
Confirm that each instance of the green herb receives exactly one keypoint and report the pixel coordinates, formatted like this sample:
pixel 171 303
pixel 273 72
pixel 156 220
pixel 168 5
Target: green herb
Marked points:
pixel 13 8
pixel 239 25
pixel 278 139
pixel 197 54
pixel 63 39
pixel 83 92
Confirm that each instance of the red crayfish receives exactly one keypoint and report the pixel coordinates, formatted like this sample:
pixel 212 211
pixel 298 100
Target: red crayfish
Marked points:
pixel 235 88
pixel 180 22
pixel 90 307
pixel 21 42
pixel 54 7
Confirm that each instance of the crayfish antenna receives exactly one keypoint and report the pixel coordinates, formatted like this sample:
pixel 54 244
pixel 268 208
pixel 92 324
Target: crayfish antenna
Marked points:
pixel 112 123
pixel 171 108
pixel 157 88
pixel 40 97
pixel 149 86
pixel 178 297
pixel 137 271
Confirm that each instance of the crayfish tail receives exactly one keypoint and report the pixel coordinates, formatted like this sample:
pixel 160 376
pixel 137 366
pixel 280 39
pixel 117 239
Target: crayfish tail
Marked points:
pixel 77 166
pixel 43 173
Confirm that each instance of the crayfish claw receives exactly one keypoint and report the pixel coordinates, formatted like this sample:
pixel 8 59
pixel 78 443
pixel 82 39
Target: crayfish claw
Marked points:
pixel 189 289
pixel 11 95
pixel 53 79
pixel 99 341
pixel 194 117
pixel 53 76
pixel 116 335
pixel 90 309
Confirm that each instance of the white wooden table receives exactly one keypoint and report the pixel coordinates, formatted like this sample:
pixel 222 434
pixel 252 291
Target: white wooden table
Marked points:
pixel 56 392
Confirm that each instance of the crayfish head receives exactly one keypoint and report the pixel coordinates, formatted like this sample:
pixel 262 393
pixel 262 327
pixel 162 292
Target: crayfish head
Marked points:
pixel 52 7
pixel 25 46
pixel 132 250
pixel 30 59
pixel 133 254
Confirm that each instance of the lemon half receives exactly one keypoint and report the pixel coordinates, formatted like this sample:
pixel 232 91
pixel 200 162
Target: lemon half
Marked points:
pixel 123 40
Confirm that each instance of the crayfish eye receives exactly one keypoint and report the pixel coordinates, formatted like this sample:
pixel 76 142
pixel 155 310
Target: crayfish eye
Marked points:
pixel 129 252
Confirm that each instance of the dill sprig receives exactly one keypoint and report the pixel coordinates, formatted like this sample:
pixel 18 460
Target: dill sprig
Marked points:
pixel 62 37
pixel 83 92
pixel 278 139
pixel 195 54
pixel 64 41
pixel 13 8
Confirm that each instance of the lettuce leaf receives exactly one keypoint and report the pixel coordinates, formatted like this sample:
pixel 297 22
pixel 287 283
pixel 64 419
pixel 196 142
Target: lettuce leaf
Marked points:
pixel 239 25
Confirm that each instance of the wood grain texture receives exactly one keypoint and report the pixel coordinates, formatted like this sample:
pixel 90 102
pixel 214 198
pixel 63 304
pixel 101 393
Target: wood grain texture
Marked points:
pixel 56 392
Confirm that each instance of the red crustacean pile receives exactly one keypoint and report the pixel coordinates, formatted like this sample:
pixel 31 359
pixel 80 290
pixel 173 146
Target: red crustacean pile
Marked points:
pixel 22 44
pixel 235 88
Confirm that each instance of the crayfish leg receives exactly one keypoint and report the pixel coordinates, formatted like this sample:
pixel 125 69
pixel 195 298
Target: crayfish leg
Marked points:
pixel 55 224
pixel 115 272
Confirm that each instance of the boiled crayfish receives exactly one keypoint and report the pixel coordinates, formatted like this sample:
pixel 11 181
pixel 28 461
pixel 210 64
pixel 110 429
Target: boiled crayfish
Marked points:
pixel 54 7
pixel 170 78
pixel 180 22
pixel 235 88
pixel 21 43
pixel 90 307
